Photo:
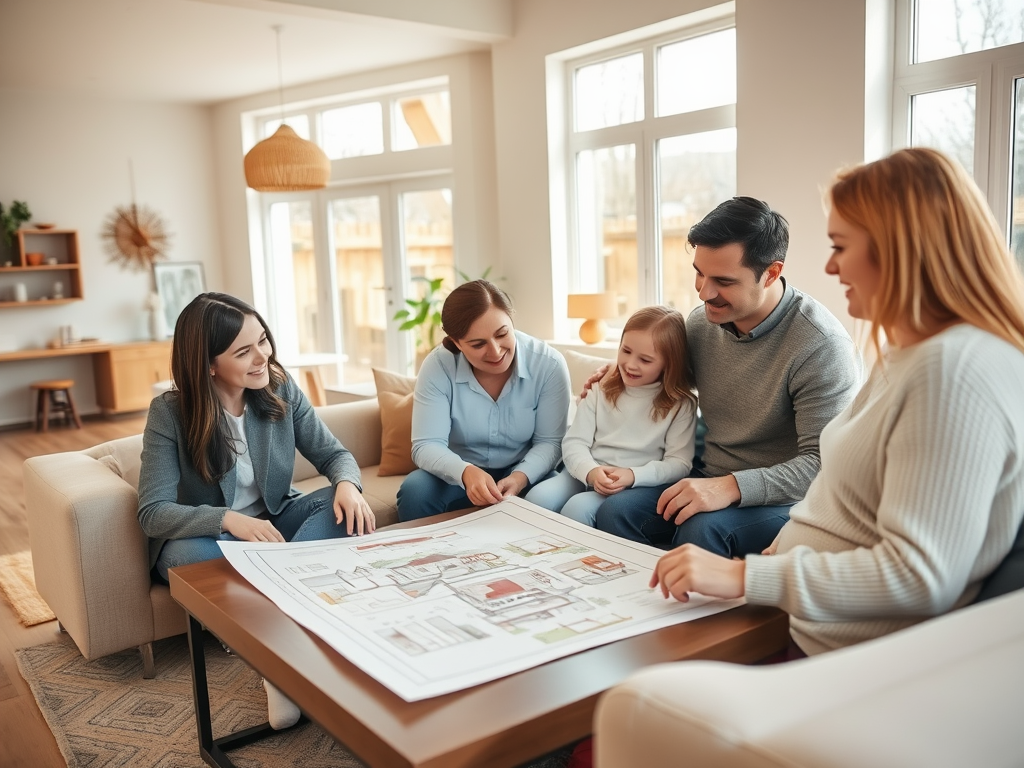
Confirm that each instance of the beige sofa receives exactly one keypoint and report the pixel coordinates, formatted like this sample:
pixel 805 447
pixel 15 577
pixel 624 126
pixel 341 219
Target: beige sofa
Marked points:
pixel 90 554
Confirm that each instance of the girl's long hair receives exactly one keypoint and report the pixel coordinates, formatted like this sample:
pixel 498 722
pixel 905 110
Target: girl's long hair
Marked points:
pixel 668 331
pixel 205 329
pixel 940 253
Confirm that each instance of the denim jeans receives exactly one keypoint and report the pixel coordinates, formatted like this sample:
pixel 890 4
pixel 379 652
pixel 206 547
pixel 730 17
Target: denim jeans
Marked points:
pixel 423 494
pixel 565 494
pixel 304 518
pixel 730 532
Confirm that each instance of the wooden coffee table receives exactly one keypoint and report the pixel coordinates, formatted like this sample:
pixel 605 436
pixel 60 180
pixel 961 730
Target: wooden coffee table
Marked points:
pixel 501 723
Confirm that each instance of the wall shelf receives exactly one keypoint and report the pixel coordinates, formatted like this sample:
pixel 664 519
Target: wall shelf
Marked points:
pixel 56 245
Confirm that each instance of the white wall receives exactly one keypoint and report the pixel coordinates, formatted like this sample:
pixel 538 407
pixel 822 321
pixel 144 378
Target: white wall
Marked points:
pixel 800 116
pixel 67 157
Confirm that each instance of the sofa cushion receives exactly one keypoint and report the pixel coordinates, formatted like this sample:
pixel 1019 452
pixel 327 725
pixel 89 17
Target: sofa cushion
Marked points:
pixel 123 457
pixel 396 434
pixel 379 492
pixel 395 393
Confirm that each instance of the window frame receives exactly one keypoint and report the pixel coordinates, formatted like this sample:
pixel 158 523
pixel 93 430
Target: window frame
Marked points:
pixel 993 73
pixel 644 135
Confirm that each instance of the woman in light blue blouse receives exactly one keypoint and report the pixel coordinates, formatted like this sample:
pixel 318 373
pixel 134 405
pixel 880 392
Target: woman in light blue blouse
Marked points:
pixel 489 410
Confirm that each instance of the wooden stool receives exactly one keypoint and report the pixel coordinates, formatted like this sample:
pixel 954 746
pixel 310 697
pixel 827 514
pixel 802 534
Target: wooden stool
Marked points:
pixel 55 393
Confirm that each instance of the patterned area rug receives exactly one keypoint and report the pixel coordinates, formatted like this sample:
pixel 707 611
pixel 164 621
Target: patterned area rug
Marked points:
pixel 18 584
pixel 103 713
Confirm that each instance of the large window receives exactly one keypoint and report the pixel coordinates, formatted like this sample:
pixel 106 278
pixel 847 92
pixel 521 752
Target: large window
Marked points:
pixel 651 148
pixel 959 74
pixel 339 262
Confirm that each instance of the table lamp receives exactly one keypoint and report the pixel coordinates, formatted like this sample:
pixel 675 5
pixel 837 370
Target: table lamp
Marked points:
pixel 594 308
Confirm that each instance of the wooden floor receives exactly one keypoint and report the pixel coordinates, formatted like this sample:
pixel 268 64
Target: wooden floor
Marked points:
pixel 25 739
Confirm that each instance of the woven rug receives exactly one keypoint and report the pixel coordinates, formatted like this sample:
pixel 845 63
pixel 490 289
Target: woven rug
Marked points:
pixel 103 713
pixel 19 587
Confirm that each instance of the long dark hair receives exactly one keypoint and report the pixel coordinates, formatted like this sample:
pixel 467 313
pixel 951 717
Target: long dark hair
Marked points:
pixel 205 329
pixel 465 304
pixel 668 330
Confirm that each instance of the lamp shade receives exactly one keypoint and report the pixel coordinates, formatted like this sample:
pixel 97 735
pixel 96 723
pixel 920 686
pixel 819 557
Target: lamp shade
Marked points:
pixel 593 307
pixel 286 163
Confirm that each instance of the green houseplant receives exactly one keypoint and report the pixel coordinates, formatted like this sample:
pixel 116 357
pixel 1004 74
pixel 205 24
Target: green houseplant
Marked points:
pixel 423 315
pixel 13 218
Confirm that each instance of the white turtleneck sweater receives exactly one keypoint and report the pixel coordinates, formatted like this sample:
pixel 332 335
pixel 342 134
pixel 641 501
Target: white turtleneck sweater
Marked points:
pixel 626 435
pixel 919 498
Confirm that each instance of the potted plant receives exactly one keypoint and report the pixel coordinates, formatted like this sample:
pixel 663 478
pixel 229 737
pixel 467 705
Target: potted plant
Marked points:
pixel 423 315
pixel 13 218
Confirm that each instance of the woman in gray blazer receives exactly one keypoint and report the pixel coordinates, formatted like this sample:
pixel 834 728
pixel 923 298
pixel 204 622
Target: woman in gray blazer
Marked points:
pixel 218 451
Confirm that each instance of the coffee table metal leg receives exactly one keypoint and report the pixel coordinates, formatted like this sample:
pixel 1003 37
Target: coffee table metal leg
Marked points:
pixel 211 749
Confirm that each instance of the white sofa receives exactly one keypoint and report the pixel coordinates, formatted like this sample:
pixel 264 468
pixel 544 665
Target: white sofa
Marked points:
pixel 90 555
pixel 943 693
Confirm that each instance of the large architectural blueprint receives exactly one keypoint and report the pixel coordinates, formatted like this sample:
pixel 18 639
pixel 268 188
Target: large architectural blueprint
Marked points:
pixel 446 606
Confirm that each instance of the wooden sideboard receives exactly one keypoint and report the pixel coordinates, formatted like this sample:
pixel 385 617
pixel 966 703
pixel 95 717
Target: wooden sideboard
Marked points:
pixel 124 373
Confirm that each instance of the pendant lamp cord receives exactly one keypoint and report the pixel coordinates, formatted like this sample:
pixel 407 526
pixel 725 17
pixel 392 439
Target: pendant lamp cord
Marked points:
pixel 280 70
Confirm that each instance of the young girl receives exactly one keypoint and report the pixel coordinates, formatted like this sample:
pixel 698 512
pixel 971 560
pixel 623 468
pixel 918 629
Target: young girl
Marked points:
pixel 639 431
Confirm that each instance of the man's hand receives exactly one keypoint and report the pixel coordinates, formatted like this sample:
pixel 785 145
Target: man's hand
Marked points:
pixel 610 480
pixel 351 507
pixel 692 569
pixel 249 528
pixel 595 377
pixel 480 487
pixel 697 494
pixel 513 484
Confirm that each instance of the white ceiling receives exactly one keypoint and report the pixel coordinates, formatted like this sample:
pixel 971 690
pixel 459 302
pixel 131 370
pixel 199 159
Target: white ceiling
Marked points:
pixel 206 51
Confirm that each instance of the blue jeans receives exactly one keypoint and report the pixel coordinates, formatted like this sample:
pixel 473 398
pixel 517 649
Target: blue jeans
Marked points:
pixel 304 518
pixel 565 494
pixel 730 532
pixel 423 494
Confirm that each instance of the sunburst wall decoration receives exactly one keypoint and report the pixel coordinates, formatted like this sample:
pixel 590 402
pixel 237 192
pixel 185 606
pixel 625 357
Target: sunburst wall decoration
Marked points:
pixel 135 237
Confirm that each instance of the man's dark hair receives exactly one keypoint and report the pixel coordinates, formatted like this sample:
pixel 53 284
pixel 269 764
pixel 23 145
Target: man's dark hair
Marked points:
pixel 763 233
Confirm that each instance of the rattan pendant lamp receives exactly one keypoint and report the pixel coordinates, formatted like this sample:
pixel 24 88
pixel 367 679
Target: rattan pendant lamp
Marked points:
pixel 286 162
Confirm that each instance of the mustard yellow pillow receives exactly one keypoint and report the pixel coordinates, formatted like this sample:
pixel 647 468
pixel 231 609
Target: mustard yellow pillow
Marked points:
pixel 394 394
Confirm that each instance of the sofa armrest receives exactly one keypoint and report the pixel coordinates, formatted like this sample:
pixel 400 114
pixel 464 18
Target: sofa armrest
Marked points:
pixel 89 553
pixel 357 426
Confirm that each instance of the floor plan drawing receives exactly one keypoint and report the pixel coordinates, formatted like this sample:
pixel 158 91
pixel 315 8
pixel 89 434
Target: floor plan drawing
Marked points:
pixel 438 608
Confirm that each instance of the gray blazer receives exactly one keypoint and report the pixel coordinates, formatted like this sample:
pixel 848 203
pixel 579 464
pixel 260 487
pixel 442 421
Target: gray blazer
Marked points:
pixel 175 503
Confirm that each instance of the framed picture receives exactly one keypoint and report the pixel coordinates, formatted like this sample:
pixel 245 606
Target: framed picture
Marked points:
pixel 177 283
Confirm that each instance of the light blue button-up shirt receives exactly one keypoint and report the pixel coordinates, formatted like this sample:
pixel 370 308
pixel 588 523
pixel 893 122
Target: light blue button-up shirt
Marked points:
pixel 455 422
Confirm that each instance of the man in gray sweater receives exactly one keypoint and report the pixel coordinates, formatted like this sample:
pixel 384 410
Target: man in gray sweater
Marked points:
pixel 772 367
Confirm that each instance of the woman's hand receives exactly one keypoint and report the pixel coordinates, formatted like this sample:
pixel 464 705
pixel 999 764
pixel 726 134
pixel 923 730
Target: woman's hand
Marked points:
pixel 692 569
pixel 480 487
pixel 595 377
pixel 249 528
pixel 513 484
pixel 351 507
pixel 610 480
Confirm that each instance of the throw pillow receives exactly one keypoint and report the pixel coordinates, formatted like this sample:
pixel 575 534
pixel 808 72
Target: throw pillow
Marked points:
pixel 582 366
pixel 394 394
pixel 396 434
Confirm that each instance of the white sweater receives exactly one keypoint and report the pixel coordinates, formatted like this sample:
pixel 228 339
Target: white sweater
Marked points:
pixel 624 435
pixel 920 495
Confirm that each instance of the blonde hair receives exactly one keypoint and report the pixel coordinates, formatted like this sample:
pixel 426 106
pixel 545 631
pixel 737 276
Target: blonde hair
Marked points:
pixel 668 331
pixel 940 253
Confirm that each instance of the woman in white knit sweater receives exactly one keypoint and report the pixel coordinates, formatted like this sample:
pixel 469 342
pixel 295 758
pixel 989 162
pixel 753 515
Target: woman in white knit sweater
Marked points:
pixel 640 429
pixel 921 488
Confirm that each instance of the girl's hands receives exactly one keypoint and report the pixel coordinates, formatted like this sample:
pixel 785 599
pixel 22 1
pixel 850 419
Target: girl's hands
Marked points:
pixel 691 569
pixel 480 486
pixel 249 528
pixel 351 507
pixel 610 480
